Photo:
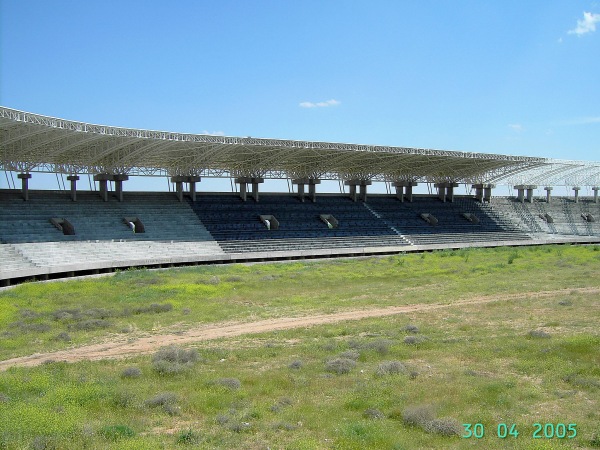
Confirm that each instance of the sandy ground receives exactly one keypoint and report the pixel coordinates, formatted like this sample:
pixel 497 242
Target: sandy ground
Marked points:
pixel 124 348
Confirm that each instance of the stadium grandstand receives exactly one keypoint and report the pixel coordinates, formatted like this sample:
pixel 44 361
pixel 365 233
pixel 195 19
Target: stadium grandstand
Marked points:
pixel 70 231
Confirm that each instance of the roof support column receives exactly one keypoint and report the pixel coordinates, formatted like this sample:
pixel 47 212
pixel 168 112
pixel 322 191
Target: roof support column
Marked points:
pixel 118 179
pixel 576 190
pixel 192 180
pixel 73 179
pixel 312 188
pixel 548 190
pixel 521 188
pixel 352 184
pixel 363 189
pixel 399 192
pixel 441 187
pixel 530 193
pixel 102 179
pixel 450 191
pixel 409 189
pixel 520 193
pixel 178 181
pixel 24 185
pixel 301 192
pixel 487 192
pixel 255 183
pixel 478 191
pixel 362 186
pixel 300 182
pixel 400 188
pixel 596 189
pixel 243 182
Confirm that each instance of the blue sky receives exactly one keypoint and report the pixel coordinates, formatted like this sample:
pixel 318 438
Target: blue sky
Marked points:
pixel 512 77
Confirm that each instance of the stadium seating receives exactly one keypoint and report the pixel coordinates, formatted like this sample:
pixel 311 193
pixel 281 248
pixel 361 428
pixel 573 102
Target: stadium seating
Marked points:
pixel 163 217
pixel 451 227
pixel 565 213
pixel 217 227
pixel 227 218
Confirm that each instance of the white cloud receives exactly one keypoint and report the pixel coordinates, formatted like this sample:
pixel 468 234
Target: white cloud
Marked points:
pixel 214 133
pixel 324 104
pixel 587 25
pixel 517 127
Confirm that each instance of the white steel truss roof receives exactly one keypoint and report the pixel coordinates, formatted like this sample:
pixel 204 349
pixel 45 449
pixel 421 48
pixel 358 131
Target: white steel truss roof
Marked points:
pixel 31 142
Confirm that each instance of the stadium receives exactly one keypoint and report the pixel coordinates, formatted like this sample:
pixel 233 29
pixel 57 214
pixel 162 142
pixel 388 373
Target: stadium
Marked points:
pixel 77 231
pixel 388 324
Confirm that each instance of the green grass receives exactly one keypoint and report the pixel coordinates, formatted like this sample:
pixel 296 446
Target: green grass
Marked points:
pixel 478 363
pixel 32 317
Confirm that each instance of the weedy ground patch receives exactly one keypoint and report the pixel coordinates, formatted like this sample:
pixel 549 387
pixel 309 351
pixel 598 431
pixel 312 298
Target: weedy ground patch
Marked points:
pixel 478 363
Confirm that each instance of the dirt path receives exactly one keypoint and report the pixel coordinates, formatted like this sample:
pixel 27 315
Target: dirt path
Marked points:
pixel 124 348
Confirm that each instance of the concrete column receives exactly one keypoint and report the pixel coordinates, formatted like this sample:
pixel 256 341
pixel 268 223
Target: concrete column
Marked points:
pixel 118 179
pixel 24 185
pixel 404 189
pixel 363 192
pixel 487 192
pixel 450 192
pixel 409 194
pixel 301 192
pixel 520 194
pixel 102 179
pixel 178 181
pixel 441 187
pixel 243 182
pixel 300 182
pixel 73 179
pixel 255 183
pixel 243 188
pixel 478 191
pixel 399 192
pixel 192 180
pixel 312 188
pixel 363 188
pixel 576 190
pixel 353 192
pixel 530 194
pixel 596 189
pixel 179 190
pixel 548 190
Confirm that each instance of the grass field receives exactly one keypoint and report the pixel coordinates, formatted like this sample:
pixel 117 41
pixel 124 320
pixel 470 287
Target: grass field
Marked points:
pixel 405 381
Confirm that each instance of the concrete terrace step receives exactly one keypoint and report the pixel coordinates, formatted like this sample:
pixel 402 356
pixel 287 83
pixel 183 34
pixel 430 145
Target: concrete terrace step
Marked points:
pixel 246 246
pixel 82 253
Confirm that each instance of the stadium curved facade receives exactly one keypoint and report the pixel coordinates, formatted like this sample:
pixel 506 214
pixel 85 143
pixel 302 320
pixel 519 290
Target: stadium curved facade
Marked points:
pixel 67 232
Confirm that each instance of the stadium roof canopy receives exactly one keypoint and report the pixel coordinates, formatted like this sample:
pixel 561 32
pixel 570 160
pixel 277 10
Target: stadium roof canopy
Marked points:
pixel 35 143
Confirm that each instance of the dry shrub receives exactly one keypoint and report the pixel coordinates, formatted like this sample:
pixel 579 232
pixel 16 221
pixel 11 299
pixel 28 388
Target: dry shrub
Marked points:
pixel 418 415
pixel 296 364
pixel 538 334
pixel 166 401
pixel 372 413
pixel 390 368
pixel 131 372
pixel 446 427
pixel 411 329
pixel 414 340
pixel 350 354
pixel 155 308
pixel 172 360
pixel 229 383
pixel 423 416
pixel 340 365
